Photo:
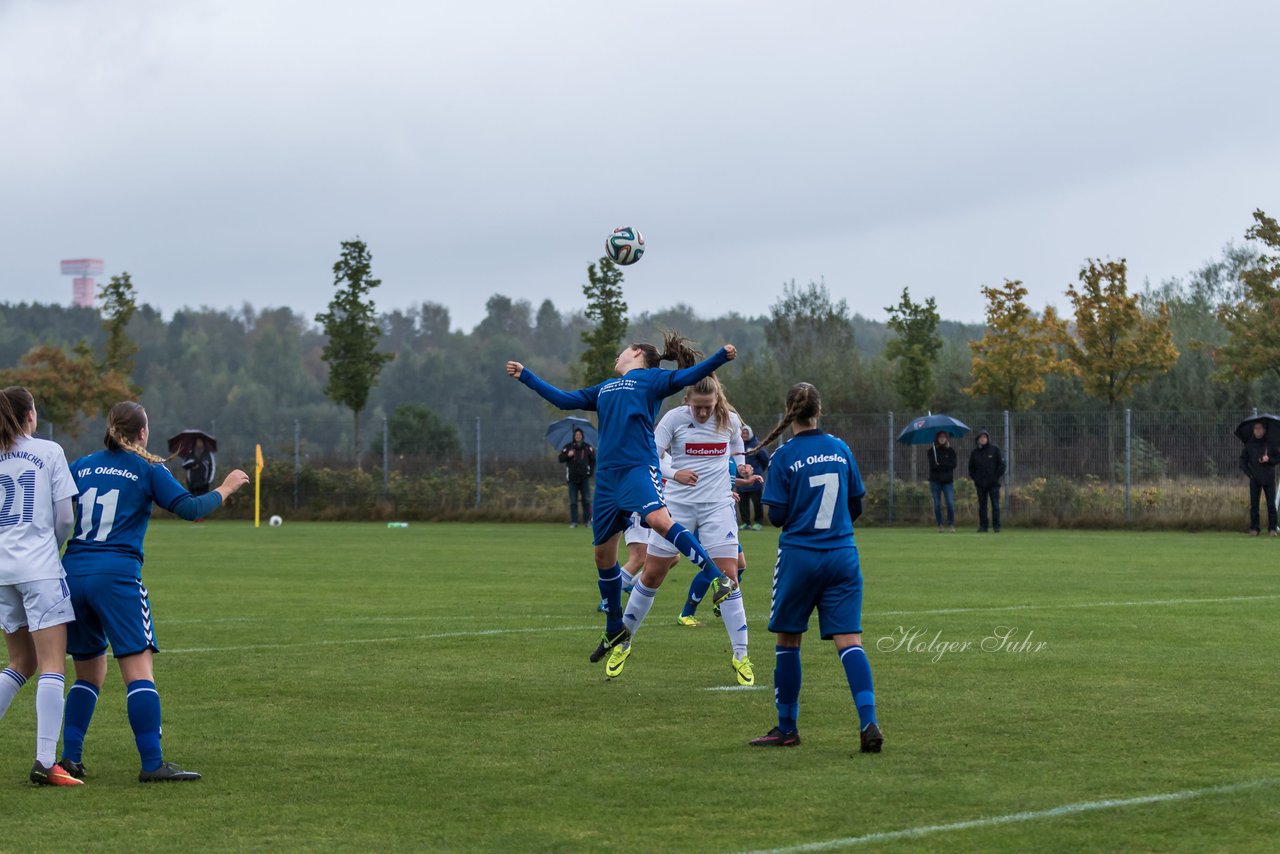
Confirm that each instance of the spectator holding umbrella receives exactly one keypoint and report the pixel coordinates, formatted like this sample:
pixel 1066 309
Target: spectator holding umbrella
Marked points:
pixel 986 467
pixel 196 449
pixel 579 459
pixel 942 468
pixel 200 467
pixel 1258 460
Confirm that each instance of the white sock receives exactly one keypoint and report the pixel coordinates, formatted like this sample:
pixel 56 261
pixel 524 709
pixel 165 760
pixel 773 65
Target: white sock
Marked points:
pixel 638 606
pixel 11 682
pixel 628 577
pixel 734 614
pixel 49 701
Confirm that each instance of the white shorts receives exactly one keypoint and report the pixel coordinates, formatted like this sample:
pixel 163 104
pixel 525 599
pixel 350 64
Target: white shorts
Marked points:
pixel 715 526
pixel 636 532
pixel 35 604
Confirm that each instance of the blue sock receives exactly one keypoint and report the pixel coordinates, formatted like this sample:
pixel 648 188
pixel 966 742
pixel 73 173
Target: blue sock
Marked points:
pixel 611 594
pixel 697 589
pixel 858 671
pixel 678 535
pixel 82 699
pixel 786 686
pixel 143 703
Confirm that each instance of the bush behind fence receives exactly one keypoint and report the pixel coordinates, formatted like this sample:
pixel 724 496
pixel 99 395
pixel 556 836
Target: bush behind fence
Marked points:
pixel 1066 469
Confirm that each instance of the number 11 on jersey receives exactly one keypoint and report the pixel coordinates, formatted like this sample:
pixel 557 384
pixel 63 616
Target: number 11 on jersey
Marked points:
pixel 107 501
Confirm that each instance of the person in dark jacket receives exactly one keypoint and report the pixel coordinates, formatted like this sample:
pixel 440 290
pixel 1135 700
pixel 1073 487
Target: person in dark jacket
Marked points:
pixel 579 460
pixel 758 459
pixel 1258 461
pixel 986 467
pixel 200 467
pixel 942 469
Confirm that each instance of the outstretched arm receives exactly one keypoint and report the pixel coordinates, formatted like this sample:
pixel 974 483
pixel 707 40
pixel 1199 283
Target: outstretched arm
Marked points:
pixel 686 377
pixel 583 398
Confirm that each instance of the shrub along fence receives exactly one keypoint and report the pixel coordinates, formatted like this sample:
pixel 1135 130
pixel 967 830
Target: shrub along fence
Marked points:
pixel 1092 469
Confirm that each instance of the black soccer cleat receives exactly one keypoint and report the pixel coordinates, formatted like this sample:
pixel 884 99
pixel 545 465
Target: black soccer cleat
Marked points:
pixel 777 738
pixel 608 642
pixel 75 769
pixel 871 739
pixel 722 590
pixel 167 773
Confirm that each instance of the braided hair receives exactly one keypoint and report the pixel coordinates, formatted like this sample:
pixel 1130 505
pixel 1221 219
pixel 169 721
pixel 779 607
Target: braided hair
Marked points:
pixel 124 430
pixel 803 404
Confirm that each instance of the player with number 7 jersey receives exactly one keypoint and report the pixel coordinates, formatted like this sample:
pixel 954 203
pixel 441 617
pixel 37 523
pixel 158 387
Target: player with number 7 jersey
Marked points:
pixel 814 494
pixel 103 561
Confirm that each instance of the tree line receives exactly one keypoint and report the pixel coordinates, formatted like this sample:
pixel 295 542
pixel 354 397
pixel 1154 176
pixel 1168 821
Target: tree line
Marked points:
pixel 1204 341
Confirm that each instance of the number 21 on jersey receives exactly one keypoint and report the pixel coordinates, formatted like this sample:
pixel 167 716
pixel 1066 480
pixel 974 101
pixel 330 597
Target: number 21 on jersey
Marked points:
pixel 107 501
pixel 26 513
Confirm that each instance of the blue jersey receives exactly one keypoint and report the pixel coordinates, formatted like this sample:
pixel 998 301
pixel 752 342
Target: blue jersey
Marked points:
pixel 116 491
pixel 628 407
pixel 813 477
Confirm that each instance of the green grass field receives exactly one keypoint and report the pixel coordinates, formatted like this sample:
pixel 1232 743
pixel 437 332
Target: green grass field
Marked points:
pixel 345 687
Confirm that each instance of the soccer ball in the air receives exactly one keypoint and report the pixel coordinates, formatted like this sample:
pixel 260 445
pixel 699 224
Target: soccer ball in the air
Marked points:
pixel 625 245
pixel 275 521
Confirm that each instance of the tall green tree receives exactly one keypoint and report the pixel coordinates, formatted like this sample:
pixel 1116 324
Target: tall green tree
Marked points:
pixel 608 311
pixel 1011 361
pixel 1252 348
pixel 915 348
pixel 119 305
pixel 351 324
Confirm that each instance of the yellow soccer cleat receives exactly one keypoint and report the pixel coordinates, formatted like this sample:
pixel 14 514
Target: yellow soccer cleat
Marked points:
pixel 742 669
pixel 617 659
pixel 682 620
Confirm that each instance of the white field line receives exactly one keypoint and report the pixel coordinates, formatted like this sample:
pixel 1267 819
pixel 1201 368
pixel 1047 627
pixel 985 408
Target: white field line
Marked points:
pixel 401 638
pixel 1017 817
pixel 922 613
pixel 1132 603
pixel 733 688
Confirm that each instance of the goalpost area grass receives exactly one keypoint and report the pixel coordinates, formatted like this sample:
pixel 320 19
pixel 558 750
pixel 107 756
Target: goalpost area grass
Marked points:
pixel 346 687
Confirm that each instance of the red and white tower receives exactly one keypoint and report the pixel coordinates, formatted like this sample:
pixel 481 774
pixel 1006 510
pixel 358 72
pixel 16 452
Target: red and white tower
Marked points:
pixel 82 286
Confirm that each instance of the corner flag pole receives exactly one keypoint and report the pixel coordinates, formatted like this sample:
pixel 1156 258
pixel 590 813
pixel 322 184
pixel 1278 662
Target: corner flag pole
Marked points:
pixel 257 487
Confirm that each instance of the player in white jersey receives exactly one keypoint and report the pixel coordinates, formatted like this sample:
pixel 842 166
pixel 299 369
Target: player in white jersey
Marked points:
pixel 701 437
pixel 36 515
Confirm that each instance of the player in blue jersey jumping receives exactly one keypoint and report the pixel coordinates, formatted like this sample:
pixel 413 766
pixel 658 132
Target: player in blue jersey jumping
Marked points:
pixel 628 478
pixel 814 493
pixel 104 570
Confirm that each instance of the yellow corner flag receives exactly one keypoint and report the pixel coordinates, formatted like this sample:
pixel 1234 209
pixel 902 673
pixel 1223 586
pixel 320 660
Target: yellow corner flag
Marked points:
pixel 257 487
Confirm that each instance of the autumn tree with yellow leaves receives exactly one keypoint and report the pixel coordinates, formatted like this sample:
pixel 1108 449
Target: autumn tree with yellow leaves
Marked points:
pixel 1019 349
pixel 1253 344
pixel 1112 345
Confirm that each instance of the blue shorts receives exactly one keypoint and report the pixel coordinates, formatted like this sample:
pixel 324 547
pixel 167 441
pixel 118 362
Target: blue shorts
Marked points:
pixel 621 492
pixel 829 580
pixel 110 609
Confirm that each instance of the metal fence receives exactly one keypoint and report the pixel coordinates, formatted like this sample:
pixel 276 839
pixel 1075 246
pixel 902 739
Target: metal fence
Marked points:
pixel 500 466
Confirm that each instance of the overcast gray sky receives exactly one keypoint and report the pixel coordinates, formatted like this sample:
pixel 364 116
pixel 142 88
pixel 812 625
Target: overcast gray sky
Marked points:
pixel 219 151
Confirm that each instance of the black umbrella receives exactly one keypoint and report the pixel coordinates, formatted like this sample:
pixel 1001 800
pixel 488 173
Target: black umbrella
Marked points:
pixel 560 433
pixel 1244 430
pixel 182 443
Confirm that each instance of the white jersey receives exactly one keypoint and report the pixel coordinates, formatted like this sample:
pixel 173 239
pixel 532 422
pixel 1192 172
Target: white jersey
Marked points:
pixel 33 477
pixel 703 449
